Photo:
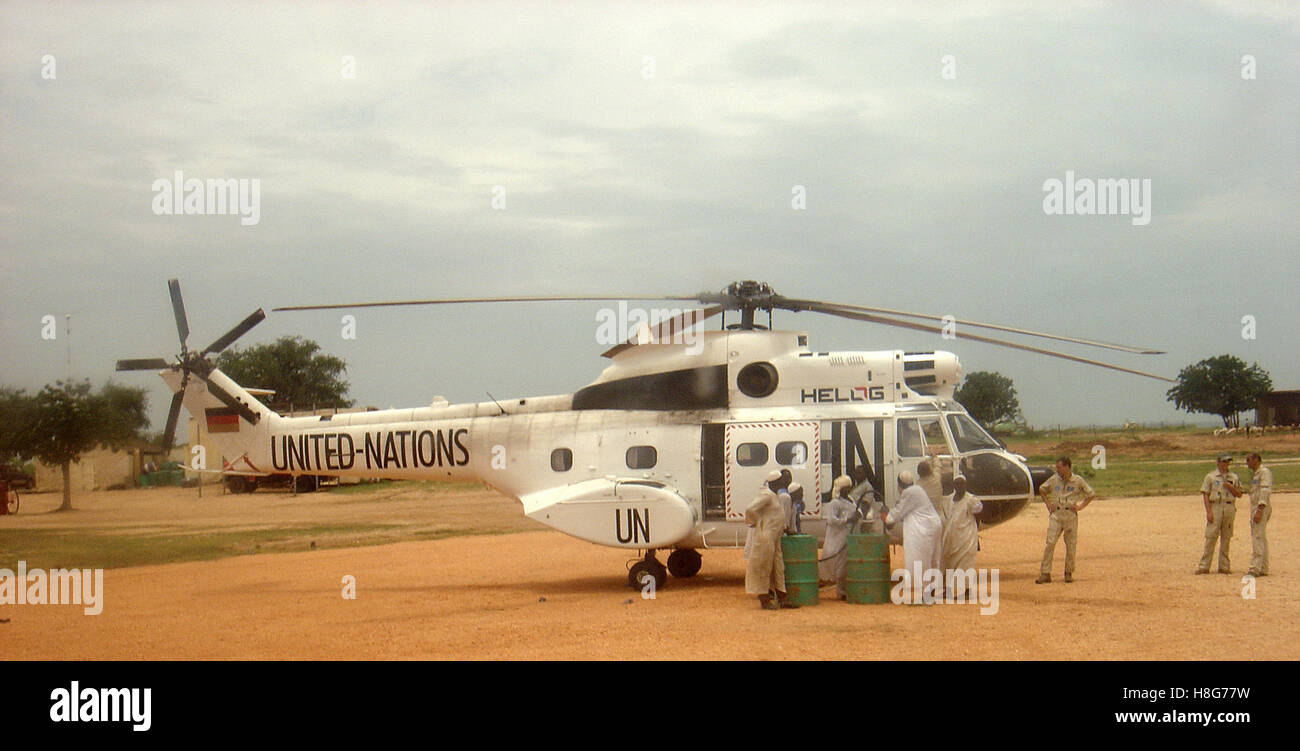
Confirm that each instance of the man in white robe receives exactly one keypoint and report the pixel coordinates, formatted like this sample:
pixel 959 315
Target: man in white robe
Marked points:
pixel 961 532
pixel 765 569
pixel 841 515
pixel 922 536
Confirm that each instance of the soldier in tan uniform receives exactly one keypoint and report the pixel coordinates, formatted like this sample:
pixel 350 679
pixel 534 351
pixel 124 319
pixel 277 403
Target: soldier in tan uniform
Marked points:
pixel 1220 491
pixel 1065 494
pixel 1261 487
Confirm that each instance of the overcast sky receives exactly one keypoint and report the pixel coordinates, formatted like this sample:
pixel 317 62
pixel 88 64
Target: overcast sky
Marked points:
pixel 650 149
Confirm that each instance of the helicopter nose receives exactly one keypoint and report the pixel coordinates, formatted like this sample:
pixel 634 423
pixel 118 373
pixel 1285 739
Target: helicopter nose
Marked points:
pixel 1003 485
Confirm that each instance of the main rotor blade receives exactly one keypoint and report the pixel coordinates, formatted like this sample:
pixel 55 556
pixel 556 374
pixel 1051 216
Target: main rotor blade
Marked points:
pixel 997 327
pixel 178 308
pixel 458 300
pixel 668 327
pixel 149 363
pixel 173 415
pixel 233 334
pixel 832 310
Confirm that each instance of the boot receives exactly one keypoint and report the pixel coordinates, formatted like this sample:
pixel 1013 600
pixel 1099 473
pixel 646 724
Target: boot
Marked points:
pixel 766 602
pixel 784 600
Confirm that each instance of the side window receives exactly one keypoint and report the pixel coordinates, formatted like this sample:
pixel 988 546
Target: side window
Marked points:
pixel 561 460
pixel 642 457
pixel 909 438
pixel 791 453
pixel 751 454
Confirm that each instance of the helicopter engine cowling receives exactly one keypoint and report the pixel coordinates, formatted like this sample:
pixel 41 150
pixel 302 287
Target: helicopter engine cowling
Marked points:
pixel 932 373
pixel 627 513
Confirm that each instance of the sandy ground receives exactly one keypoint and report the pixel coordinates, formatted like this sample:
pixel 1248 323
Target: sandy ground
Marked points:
pixel 542 595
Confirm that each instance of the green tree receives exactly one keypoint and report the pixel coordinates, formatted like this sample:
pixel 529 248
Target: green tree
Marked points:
pixel 68 419
pixel 1221 386
pixel 15 420
pixel 989 397
pixel 294 367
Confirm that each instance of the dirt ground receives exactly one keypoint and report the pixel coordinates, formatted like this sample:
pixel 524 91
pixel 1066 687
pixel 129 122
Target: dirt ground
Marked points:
pixel 542 595
pixel 1198 445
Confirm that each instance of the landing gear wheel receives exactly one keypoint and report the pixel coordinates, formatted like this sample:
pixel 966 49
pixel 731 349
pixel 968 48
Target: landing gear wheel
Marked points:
pixel 647 569
pixel 684 563
pixel 238 484
pixel 304 484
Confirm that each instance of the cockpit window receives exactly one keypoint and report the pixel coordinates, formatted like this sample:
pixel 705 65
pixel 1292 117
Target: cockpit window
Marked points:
pixel 969 435
pixel 935 442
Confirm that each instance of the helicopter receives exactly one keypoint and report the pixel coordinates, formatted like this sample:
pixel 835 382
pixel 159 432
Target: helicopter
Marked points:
pixel 664 450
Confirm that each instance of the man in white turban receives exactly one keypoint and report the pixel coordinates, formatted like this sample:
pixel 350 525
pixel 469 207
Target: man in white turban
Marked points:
pixel 841 516
pixel 922 533
pixel 765 566
pixel 794 509
pixel 961 533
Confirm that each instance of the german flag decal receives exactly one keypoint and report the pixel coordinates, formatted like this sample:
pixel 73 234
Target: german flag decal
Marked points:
pixel 222 420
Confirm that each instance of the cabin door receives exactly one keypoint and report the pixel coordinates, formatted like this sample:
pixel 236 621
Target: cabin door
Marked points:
pixel 755 449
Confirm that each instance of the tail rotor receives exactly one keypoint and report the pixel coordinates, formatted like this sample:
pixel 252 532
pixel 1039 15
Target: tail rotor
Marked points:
pixel 189 362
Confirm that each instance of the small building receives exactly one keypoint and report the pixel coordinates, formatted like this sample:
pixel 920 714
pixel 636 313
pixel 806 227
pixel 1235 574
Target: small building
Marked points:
pixel 102 468
pixel 1278 408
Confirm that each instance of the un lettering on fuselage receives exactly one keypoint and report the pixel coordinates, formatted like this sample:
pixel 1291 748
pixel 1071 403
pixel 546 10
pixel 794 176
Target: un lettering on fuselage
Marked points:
pixel 379 450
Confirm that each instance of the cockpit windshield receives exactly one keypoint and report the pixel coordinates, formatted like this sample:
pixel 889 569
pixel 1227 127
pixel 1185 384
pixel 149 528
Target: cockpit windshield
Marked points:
pixel 968 435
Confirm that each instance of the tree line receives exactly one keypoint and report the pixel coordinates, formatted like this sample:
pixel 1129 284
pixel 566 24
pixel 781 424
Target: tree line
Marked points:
pixel 67 419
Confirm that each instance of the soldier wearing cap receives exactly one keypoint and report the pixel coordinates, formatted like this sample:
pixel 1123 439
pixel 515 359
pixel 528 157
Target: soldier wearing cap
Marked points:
pixel 1219 491
pixel 1065 494
pixel 1261 487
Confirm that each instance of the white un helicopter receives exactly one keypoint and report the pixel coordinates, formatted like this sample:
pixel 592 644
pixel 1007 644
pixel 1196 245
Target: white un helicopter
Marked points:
pixel 666 448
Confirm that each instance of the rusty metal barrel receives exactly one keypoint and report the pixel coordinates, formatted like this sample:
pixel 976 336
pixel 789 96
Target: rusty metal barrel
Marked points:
pixel 800 553
pixel 866 572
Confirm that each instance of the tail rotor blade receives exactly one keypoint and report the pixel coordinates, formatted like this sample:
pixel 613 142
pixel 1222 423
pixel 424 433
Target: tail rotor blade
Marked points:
pixel 178 308
pixel 150 363
pixel 230 336
pixel 169 434
pixel 224 396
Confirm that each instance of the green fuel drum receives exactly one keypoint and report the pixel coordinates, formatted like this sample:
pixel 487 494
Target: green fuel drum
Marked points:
pixel 866 572
pixel 800 553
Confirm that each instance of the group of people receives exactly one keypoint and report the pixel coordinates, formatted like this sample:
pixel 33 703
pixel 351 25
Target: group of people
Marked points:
pixel 940 532
pixel 1066 494
pixel 1219 492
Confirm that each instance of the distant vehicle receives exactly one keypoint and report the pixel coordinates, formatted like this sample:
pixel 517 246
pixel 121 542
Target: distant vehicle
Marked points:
pixel 17 476
pixel 247 482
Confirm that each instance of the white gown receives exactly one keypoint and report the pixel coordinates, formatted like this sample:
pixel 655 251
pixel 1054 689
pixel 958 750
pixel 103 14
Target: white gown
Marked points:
pixel 922 532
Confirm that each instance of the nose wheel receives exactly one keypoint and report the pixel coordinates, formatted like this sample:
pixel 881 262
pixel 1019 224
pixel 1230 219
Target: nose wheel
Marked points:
pixel 646 569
